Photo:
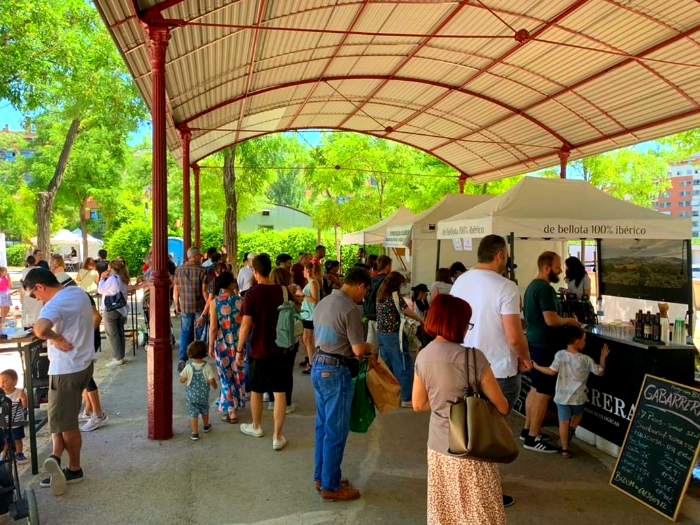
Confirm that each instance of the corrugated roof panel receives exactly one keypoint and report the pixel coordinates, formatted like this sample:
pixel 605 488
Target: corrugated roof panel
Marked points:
pixel 437 70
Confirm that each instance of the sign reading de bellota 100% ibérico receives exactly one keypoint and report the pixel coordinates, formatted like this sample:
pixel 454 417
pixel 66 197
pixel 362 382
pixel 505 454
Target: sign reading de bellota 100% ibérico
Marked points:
pixel 594 229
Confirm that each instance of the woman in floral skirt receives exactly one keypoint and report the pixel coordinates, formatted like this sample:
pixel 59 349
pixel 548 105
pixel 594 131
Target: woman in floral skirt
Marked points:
pixel 224 322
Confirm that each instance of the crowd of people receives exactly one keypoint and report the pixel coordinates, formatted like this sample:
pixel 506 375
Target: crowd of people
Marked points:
pixel 253 324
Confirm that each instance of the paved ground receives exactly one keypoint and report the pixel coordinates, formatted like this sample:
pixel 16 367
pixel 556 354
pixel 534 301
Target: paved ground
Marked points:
pixel 228 478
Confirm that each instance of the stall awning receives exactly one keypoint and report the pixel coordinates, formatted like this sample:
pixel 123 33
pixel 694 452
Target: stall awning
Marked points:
pixel 493 88
pixel 562 209
pixel 375 234
pixel 425 224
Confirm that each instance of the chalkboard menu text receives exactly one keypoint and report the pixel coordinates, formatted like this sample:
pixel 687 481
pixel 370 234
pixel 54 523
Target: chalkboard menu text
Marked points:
pixel 661 447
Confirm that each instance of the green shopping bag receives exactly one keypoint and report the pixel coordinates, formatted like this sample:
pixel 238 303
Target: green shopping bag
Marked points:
pixel 362 411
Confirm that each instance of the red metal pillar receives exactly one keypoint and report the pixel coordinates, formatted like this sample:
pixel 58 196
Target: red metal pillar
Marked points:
pixel 462 180
pixel 185 136
pixel 197 232
pixel 563 159
pixel 160 359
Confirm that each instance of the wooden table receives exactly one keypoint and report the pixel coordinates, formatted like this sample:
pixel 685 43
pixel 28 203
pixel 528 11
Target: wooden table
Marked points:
pixel 28 348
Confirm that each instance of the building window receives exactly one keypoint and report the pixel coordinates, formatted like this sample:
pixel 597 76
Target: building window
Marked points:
pixel 696 181
pixel 695 224
pixel 696 214
pixel 683 214
pixel 266 213
pixel 684 193
pixel 689 171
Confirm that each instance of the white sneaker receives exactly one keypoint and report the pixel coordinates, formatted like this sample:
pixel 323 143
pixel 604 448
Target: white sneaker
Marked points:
pixel 279 444
pixel 84 415
pixel 266 397
pixel 291 408
pixel 249 430
pixel 116 362
pixel 95 422
pixel 270 406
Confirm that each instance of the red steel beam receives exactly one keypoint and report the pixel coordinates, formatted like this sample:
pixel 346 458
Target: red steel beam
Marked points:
pixel 328 64
pixel 347 130
pixel 481 96
pixel 576 85
pixel 549 23
pixel 408 57
pixel 611 136
pixel 253 51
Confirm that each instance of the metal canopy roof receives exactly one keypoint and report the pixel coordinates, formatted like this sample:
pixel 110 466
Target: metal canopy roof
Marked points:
pixel 492 87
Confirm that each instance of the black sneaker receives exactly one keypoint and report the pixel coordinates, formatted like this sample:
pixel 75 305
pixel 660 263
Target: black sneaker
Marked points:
pixel 524 433
pixel 508 501
pixel 194 437
pixel 181 365
pixel 207 428
pixel 73 476
pixel 537 444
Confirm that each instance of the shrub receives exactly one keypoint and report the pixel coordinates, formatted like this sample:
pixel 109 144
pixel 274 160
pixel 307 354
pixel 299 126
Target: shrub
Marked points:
pixel 17 253
pixel 132 242
pixel 211 238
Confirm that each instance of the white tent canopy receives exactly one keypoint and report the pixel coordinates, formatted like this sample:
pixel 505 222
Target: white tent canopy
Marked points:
pixel 562 209
pixel 375 234
pixel 65 240
pixel 421 236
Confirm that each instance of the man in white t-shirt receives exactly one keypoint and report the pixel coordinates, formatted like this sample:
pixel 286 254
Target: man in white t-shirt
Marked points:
pixel 497 329
pixel 66 323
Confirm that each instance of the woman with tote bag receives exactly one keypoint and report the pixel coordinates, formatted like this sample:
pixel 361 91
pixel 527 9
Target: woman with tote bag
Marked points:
pixel 460 489
pixel 114 289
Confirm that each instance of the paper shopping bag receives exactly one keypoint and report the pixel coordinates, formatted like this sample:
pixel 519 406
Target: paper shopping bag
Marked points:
pixel 385 389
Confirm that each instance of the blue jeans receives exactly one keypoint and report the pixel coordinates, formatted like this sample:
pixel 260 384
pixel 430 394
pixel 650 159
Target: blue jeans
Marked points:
pixel 400 363
pixel 334 390
pixel 188 333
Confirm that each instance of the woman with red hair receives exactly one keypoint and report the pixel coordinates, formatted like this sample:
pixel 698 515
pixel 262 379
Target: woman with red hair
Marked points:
pixel 460 490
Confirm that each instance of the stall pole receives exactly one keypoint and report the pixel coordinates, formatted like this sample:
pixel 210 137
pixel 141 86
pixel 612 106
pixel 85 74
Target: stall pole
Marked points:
pixel 511 268
pixel 598 292
pixel 691 305
pixel 437 258
pixel 462 180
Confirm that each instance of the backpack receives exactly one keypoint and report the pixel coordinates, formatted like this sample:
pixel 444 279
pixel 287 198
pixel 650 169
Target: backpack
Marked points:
pixel 285 322
pixel 370 307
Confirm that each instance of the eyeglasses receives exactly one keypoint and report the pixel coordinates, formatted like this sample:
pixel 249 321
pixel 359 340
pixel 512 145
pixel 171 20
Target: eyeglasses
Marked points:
pixel 31 293
pixel 470 326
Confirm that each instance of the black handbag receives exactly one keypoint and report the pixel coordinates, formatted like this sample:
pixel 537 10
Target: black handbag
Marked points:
pixel 114 302
pixel 477 429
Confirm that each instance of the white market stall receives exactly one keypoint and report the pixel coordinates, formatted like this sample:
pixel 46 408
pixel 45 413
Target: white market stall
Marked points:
pixel 420 236
pixel 376 233
pixel 563 210
pixel 65 240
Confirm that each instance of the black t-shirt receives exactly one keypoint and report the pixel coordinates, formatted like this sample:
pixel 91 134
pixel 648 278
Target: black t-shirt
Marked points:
pixel 101 266
pixel 371 299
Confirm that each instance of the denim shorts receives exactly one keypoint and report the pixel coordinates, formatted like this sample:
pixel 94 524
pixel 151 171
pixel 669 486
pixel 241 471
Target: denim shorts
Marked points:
pixel 566 412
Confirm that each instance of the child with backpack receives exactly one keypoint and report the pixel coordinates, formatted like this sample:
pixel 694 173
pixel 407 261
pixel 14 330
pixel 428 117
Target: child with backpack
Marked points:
pixel 573 369
pixel 199 376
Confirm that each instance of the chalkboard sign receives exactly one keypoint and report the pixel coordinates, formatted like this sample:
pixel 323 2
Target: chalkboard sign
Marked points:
pixel 661 447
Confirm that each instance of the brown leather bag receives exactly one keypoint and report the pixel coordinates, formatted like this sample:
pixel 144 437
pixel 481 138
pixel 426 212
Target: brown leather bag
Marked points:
pixel 477 429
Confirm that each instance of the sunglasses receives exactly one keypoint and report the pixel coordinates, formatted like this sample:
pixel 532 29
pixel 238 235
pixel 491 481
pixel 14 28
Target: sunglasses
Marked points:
pixel 32 294
pixel 470 326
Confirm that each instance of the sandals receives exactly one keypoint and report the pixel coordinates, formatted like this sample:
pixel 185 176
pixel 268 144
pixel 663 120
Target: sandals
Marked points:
pixel 230 420
pixel 566 453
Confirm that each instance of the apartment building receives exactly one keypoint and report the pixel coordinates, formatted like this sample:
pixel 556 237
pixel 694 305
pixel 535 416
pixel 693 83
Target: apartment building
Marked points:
pixel 682 199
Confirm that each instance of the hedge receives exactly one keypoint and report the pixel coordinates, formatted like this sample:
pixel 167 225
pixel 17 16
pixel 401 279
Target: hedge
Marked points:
pixel 17 253
pixel 133 240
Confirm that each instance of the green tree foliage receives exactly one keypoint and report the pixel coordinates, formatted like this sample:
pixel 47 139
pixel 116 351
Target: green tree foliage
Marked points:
pixel 17 253
pixel 132 241
pixel 16 201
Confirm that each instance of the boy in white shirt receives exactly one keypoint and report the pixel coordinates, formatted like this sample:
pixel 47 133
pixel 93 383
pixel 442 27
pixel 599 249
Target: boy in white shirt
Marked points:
pixel 573 368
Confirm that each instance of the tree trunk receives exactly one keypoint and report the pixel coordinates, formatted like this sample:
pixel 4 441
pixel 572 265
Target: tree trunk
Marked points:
pixel 83 229
pixel 231 216
pixel 44 202
pixel 337 244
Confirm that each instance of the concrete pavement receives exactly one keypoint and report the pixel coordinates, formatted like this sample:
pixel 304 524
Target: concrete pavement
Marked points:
pixel 227 478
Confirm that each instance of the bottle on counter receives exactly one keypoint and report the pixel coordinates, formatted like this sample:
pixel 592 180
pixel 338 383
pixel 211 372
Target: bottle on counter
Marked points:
pixel 648 330
pixel 665 331
pixel 639 325
pixel 656 328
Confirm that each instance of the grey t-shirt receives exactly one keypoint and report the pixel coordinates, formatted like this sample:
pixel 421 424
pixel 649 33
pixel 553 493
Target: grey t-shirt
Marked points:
pixel 442 368
pixel 338 324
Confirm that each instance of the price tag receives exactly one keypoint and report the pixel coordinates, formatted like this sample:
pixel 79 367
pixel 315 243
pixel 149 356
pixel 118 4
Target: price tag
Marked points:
pixel 458 244
pixel 467 244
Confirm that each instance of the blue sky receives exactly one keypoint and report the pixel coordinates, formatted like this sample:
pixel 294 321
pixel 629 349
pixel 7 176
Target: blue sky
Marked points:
pixel 14 118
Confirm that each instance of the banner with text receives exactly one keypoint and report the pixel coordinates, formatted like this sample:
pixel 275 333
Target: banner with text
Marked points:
pixel 562 228
pixel 397 236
